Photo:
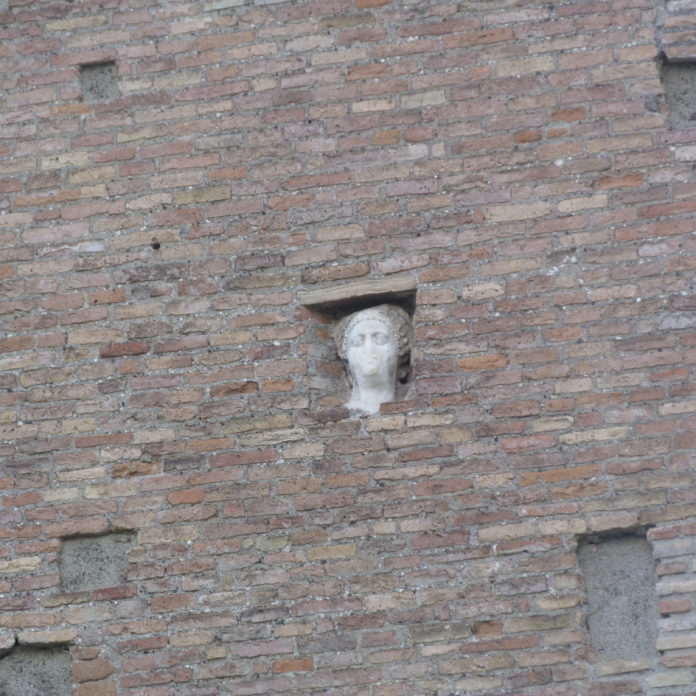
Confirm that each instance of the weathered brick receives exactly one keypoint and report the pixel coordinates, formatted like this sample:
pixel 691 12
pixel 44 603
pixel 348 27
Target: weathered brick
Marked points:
pixel 92 670
pixel 482 362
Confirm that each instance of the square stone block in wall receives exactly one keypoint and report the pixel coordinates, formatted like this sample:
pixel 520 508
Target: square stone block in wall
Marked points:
pixel 679 81
pixel 621 599
pixel 90 563
pixel 99 82
pixel 28 671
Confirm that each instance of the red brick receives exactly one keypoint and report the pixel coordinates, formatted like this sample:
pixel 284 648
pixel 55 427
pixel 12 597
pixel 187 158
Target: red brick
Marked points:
pixel 15 343
pixel 116 350
pixel 92 670
pixel 482 362
pixel 515 445
pixel 300 664
pixel 436 540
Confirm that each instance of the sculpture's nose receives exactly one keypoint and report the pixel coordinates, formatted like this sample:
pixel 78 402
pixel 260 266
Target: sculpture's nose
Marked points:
pixel 372 348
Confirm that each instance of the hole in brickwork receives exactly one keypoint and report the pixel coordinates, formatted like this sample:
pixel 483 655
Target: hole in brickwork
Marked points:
pixel 99 82
pixel 91 563
pixel 679 81
pixel 28 671
pixel 621 599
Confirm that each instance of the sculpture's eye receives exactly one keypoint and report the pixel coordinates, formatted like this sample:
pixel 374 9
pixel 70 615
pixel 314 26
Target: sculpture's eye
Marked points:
pixel 356 340
pixel 380 338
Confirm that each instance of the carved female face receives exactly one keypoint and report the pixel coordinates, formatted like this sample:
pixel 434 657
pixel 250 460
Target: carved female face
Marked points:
pixel 375 343
pixel 372 353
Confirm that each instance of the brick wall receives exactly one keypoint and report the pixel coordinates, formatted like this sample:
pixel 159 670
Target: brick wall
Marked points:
pixel 160 378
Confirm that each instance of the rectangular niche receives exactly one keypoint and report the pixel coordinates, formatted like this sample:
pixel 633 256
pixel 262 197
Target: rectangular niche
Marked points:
pixel 30 671
pixel 96 562
pixel 679 82
pixel 387 303
pixel 619 573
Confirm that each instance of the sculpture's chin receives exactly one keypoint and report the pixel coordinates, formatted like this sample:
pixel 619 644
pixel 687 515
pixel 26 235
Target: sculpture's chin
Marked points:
pixel 367 408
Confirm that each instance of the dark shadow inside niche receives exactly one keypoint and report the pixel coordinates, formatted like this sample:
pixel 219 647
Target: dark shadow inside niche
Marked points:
pixel 621 602
pixel 99 82
pixel 32 671
pixel 679 82
pixel 94 562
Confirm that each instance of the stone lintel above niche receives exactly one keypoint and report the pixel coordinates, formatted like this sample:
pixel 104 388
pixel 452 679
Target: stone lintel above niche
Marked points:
pixel 350 297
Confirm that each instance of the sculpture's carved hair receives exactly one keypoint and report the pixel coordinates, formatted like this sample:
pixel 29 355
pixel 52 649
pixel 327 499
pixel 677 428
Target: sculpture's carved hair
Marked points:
pixel 394 318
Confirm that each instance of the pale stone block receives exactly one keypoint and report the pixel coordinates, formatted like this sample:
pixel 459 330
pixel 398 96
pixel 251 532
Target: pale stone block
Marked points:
pixel 599 435
pixel 478 683
pixel 535 623
pixel 418 101
pixel 675 677
pixel 86 614
pixel 369 291
pixel 347 55
pixel 385 423
pixel 482 291
pixel 605 669
pixel 572 386
pixel 523 66
pixel 571 205
pixel 674 408
pixel 222 5
pixel 53 637
pixel 562 526
pixel 613 520
pixel 69 159
pixel 677 587
pixel 271 543
pixel 15 219
pixel 677 641
pixel 517 211
pixel 273 437
pixel 24 564
pixel 548 424
pixel 407 472
pixel 143 437
pixel 504 532
pixel 370 105
pixel 323 553
pixel 306 450
pixel 390 600
pixel 169 535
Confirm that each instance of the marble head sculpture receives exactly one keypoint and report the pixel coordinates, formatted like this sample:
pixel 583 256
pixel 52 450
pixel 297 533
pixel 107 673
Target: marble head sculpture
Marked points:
pixel 375 343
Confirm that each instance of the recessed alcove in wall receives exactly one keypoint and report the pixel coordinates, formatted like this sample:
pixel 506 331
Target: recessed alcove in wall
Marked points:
pixel 619 573
pixel 94 562
pixel 333 303
pixel 32 671
pixel 679 81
